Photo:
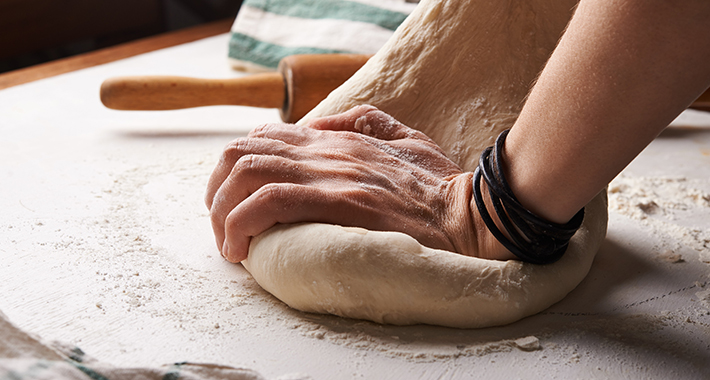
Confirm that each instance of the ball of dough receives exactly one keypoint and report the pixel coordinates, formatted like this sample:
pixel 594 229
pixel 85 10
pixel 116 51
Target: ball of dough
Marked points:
pixel 388 277
pixel 459 71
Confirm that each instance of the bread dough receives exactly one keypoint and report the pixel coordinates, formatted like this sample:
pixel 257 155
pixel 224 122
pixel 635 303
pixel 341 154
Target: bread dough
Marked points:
pixel 388 277
pixel 458 70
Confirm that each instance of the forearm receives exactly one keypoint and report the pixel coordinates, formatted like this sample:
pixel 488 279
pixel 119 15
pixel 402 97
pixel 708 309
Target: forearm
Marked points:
pixel 621 73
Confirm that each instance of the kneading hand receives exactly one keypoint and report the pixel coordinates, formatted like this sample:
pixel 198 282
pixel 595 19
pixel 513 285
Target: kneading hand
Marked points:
pixel 360 168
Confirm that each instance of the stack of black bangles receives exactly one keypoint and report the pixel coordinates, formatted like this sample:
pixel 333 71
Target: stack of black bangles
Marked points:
pixel 532 238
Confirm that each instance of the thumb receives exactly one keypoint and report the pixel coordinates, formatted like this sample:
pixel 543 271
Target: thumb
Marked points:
pixel 370 121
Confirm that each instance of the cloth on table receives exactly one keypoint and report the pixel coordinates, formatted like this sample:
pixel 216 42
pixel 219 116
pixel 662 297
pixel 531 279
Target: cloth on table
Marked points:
pixel 265 31
pixel 23 357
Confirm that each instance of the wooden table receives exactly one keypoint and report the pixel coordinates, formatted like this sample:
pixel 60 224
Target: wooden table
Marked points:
pixel 114 53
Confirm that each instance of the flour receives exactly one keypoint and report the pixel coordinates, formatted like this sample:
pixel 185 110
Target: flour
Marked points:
pixel 704 298
pixel 673 208
pixel 565 340
pixel 123 249
pixel 418 347
pixel 122 255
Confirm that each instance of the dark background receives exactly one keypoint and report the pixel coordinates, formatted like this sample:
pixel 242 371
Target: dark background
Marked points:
pixel 37 31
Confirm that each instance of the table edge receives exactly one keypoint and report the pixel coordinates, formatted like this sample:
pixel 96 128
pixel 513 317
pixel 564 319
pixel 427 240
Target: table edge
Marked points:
pixel 113 53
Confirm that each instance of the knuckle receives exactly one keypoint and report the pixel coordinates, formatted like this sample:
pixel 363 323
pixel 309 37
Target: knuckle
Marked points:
pixel 247 164
pixel 264 130
pixel 383 125
pixel 375 114
pixel 281 197
pixel 272 192
pixel 232 224
pixel 237 148
pixel 366 108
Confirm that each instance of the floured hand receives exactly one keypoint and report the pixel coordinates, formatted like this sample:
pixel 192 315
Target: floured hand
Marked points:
pixel 360 168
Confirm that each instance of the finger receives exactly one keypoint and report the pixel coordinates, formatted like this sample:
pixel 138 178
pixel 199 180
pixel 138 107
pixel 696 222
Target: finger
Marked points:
pixel 238 149
pixel 270 205
pixel 370 121
pixel 279 203
pixel 291 203
pixel 381 125
pixel 341 122
pixel 289 133
pixel 249 174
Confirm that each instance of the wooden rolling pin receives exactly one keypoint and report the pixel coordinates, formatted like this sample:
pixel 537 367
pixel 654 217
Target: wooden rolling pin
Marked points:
pixel 301 82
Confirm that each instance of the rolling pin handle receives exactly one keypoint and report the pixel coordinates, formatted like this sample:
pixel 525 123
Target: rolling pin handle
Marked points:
pixel 172 92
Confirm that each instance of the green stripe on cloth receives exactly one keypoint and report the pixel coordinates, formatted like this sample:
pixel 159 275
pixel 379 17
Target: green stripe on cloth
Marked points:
pixel 266 54
pixel 173 373
pixel 93 375
pixel 333 9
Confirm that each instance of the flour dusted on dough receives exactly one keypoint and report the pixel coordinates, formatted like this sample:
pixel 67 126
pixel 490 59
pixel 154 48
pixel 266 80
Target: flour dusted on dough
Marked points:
pixel 388 277
pixel 458 70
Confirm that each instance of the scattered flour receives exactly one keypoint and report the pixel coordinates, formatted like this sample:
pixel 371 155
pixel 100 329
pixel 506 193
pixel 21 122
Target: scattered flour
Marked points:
pixel 674 208
pixel 134 274
pixel 658 203
pixel 704 298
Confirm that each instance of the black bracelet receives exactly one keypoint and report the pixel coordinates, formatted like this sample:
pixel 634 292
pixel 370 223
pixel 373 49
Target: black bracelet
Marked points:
pixel 534 239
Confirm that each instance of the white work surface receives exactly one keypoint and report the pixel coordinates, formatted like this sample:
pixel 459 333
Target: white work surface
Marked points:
pixel 106 243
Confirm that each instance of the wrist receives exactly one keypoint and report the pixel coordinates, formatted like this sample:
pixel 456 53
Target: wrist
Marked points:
pixel 466 230
pixel 529 236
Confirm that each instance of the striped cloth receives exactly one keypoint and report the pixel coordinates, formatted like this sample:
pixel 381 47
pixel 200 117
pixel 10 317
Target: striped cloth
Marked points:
pixel 265 31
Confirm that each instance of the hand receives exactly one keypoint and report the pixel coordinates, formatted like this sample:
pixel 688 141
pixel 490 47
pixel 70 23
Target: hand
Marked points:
pixel 360 168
